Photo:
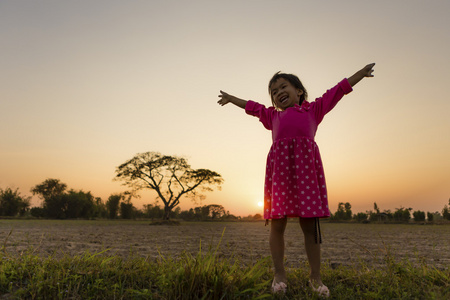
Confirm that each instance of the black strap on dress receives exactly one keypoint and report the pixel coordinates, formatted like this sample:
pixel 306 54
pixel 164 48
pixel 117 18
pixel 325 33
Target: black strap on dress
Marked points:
pixel 317 233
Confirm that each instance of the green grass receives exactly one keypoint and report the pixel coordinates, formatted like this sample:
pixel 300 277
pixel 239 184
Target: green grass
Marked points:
pixel 205 276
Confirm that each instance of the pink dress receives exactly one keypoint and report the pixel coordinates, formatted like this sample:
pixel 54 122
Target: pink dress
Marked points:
pixel 295 181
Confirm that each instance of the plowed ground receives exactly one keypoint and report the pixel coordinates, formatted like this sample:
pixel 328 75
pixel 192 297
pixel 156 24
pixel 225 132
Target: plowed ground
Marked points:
pixel 343 244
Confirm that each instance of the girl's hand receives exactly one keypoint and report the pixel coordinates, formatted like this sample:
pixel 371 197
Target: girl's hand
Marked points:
pixel 226 98
pixel 368 70
pixel 364 72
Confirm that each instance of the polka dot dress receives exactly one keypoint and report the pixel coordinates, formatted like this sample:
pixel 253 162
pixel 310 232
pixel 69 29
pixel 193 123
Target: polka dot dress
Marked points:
pixel 295 180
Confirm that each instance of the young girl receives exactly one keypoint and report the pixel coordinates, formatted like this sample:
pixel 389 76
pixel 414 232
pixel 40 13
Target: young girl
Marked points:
pixel 295 181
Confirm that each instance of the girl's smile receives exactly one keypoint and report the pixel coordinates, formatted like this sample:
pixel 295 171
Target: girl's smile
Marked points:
pixel 284 94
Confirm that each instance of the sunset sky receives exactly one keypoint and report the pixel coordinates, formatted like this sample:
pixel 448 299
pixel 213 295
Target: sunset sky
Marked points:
pixel 86 85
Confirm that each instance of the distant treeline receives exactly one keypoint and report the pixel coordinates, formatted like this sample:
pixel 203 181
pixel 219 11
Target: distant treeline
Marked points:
pixel 400 215
pixel 60 203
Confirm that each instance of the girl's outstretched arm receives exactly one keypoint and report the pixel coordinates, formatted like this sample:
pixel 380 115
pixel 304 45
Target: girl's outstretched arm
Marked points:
pixel 226 98
pixel 364 72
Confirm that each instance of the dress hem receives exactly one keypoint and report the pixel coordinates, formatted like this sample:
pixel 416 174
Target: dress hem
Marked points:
pixel 296 216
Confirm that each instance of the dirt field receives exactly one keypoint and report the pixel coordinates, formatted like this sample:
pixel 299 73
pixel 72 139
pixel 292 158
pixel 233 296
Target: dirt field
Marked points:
pixel 343 244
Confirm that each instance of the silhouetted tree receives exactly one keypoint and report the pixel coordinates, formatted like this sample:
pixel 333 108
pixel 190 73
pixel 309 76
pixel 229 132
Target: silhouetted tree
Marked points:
pixel 59 204
pixel 361 217
pixel 12 203
pixel 387 214
pixel 446 212
pixel 49 188
pixel 377 216
pixel 153 211
pixel 175 213
pixel 437 216
pixel 257 217
pixel 419 216
pixel 375 207
pixel 348 211
pixel 430 216
pixel 373 216
pixel 205 212
pixel 198 213
pixel 229 217
pixel 37 212
pixel 51 191
pixel 78 204
pixel 113 205
pixel 343 212
pixel 188 215
pixel 100 209
pixel 402 214
pixel 216 211
pixel 340 212
pixel 126 209
pixel 170 176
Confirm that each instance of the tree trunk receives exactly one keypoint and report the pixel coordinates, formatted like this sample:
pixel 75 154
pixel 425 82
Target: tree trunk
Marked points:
pixel 166 215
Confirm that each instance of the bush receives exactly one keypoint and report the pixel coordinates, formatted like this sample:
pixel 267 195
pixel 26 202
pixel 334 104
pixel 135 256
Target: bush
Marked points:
pixel 343 212
pixel 126 210
pixel 361 217
pixel 446 213
pixel 419 216
pixel 12 203
pixel 37 212
pixel 402 214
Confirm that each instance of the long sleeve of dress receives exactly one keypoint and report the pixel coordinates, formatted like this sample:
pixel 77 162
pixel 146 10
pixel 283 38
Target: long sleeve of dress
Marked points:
pixel 321 106
pixel 264 114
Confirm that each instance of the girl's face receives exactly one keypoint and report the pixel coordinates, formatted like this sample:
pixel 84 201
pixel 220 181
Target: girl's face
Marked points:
pixel 284 94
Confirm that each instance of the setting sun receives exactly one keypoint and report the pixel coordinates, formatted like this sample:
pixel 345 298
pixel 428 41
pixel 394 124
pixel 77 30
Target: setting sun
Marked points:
pixel 260 204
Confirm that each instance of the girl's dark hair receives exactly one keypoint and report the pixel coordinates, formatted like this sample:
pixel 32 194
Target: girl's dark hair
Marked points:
pixel 294 80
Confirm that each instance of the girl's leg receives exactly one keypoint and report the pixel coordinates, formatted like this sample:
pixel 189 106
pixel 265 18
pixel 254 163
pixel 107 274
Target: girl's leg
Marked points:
pixel 277 248
pixel 312 248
